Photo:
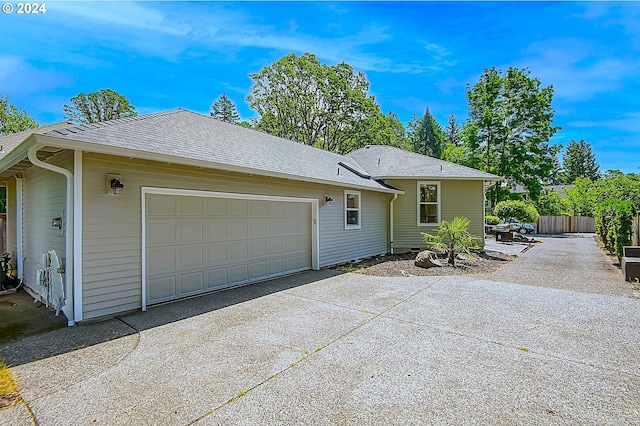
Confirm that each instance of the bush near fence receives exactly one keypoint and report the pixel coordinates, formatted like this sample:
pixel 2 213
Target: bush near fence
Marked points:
pixel 614 223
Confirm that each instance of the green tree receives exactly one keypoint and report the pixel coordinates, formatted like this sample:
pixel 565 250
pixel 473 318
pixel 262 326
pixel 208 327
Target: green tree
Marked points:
pixel 557 174
pixel 550 203
pixel 224 109
pixel 518 210
pixel 381 129
pixel 581 197
pixel 614 221
pixel 512 115
pixel 426 135
pixel 453 237
pixel 103 105
pixel 301 99
pixel 452 132
pixel 579 160
pixel 12 119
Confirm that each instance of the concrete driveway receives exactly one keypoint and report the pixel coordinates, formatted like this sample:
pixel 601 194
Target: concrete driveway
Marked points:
pixel 321 348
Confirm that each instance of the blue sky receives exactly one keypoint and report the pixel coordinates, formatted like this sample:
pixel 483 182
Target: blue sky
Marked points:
pixel 164 55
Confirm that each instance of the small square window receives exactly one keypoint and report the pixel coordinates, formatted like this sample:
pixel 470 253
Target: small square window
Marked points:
pixel 351 209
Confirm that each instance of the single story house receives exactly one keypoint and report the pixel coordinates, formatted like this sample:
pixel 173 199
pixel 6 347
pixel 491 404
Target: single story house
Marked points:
pixel 149 209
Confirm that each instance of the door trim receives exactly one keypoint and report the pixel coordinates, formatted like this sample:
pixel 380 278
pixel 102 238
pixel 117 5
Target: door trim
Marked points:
pixel 315 237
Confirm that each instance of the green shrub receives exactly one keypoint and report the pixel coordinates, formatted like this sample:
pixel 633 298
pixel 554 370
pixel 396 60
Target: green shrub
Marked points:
pixel 518 210
pixel 492 220
pixel 550 203
pixel 614 222
pixel 452 237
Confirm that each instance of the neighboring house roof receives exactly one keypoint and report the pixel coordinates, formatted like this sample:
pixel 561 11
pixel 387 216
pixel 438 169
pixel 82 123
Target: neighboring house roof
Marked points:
pixel 10 141
pixel 184 137
pixel 559 189
pixel 387 162
pixel 519 189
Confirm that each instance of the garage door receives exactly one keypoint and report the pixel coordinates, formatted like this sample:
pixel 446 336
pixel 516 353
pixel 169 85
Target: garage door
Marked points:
pixel 199 244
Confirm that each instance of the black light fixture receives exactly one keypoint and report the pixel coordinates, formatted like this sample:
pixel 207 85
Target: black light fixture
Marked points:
pixel 328 199
pixel 117 187
pixel 114 185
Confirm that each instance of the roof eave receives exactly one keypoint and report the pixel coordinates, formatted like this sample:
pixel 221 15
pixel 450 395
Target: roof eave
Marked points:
pixel 17 154
pixel 440 177
pixel 64 143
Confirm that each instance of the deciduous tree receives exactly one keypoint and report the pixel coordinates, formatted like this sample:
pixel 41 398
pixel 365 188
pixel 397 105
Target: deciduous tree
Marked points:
pixel 550 203
pixel 12 119
pixel 103 105
pixel 513 117
pixel 301 99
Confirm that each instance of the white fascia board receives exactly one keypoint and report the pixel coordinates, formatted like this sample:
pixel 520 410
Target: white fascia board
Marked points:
pixel 17 154
pixel 165 158
pixel 440 177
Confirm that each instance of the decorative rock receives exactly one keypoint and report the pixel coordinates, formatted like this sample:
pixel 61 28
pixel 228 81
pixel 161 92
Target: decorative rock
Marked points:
pixel 427 259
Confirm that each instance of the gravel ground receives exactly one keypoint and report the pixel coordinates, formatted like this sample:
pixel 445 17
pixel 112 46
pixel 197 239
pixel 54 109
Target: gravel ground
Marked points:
pixel 571 262
pixel 399 265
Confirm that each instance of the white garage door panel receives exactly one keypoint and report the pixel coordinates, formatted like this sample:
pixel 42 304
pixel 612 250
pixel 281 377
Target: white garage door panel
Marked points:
pixel 196 244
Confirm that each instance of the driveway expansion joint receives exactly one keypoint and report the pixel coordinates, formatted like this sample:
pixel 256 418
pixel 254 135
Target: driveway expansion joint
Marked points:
pixel 308 354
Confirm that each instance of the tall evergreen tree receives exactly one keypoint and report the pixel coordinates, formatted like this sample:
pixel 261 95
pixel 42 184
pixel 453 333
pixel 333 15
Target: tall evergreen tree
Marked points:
pixel 579 160
pixel 224 109
pixel 453 132
pixel 426 135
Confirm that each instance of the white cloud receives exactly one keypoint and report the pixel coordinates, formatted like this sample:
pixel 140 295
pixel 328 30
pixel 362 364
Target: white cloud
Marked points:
pixel 136 15
pixel 577 71
pixel 163 31
pixel 629 122
pixel 24 79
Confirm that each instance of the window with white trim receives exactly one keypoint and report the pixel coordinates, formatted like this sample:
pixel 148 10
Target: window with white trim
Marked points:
pixel 428 203
pixel 352 204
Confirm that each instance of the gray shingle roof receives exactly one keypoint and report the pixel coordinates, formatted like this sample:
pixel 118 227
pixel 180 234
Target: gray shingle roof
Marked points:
pixel 382 161
pixel 189 136
pixel 12 140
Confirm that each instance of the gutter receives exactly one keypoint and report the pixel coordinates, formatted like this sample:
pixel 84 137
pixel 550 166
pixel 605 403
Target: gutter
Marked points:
pixel 391 221
pixel 92 147
pixel 67 309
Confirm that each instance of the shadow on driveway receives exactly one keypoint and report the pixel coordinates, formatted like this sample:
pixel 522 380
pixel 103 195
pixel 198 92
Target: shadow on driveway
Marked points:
pixel 23 350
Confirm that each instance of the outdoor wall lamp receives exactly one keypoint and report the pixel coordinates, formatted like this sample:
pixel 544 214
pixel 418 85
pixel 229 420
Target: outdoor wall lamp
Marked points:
pixel 328 199
pixel 114 185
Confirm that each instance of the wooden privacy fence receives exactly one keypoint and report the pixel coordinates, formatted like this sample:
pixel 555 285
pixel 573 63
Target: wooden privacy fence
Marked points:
pixel 565 224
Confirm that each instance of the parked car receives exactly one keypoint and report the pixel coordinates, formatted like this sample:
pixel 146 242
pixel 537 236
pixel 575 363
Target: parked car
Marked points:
pixel 514 225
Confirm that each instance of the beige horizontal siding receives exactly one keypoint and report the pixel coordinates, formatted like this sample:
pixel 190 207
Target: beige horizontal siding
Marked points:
pixel 44 197
pixel 112 225
pixel 457 198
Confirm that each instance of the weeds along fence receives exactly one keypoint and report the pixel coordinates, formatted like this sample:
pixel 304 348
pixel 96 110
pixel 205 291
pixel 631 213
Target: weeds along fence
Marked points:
pixel 565 224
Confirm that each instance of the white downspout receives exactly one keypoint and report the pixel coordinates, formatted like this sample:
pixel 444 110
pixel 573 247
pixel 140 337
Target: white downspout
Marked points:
pixel 391 221
pixel 19 255
pixel 68 285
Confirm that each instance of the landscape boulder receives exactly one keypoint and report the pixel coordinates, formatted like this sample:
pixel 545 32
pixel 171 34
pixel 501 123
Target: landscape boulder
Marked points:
pixel 427 259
